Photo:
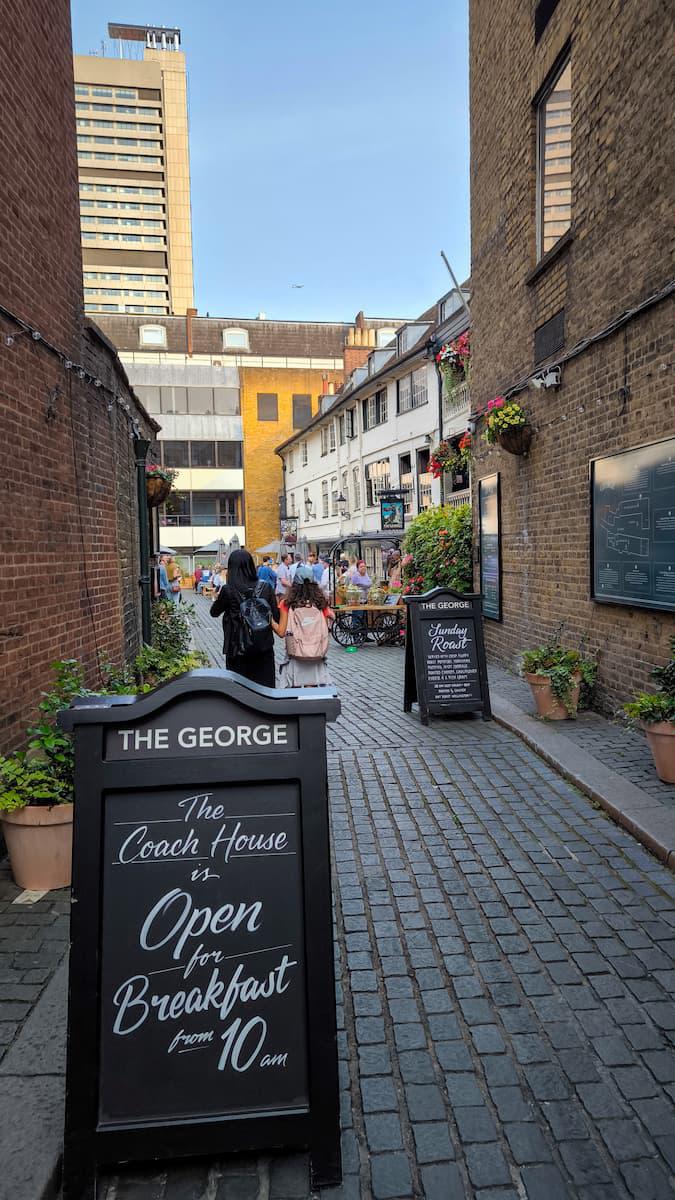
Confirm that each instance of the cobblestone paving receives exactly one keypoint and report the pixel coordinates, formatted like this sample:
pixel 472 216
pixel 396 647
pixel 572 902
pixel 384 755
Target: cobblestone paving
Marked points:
pixel 33 941
pixel 619 747
pixel 505 957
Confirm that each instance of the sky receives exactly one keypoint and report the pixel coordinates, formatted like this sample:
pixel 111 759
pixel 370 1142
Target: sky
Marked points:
pixel 329 148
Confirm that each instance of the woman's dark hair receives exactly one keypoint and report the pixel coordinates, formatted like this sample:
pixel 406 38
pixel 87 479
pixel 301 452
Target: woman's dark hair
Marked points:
pixel 241 572
pixel 305 592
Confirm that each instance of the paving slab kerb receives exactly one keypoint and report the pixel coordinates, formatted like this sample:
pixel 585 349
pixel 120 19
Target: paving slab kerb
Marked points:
pixel 505 957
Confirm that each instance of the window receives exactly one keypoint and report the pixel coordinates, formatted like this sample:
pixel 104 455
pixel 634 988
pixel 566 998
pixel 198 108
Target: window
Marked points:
pixel 202 454
pixel 377 480
pixel 200 401
pixel 215 508
pixel 236 339
pixel 331 436
pixel 177 510
pixel 324 498
pixel 268 406
pixel 351 422
pixel 333 496
pixel 303 454
pixel 175 454
pixel 149 397
pixel 375 409
pixel 291 461
pixel 424 478
pixel 174 399
pixel 345 488
pixel 405 477
pixel 152 335
pixel 324 440
pixel 554 160
pixel 385 336
pixel 229 455
pixel 341 430
pixel 356 485
pixel 419 387
pixel 226 401
pixel 306 501
pixel 302 411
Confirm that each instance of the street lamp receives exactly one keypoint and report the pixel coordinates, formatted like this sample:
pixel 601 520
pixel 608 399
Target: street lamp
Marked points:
pixel 342 505
pixel 309 510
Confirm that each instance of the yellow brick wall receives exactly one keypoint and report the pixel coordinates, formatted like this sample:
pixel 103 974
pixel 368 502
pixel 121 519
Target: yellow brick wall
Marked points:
pixel 263 478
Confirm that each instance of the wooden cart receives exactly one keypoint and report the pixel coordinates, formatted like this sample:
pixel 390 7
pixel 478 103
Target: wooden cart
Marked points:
pixel 356 624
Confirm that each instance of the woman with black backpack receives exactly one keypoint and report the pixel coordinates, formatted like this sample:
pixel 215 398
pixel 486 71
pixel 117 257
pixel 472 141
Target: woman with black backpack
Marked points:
pixel 248 606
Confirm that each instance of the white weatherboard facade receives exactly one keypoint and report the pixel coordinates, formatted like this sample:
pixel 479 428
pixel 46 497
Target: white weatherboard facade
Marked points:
pixel 376 435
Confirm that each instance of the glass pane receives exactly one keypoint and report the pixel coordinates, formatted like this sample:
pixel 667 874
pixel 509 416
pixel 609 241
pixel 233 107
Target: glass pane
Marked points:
pixel 226 401
pixel 149 397
pixel 555 161
pixel 229 455
pixel 203 454
pixel 204 508
pixel 228 508
pixel 175 454
pixel 174 400
pixel 302 411
pixel 200 401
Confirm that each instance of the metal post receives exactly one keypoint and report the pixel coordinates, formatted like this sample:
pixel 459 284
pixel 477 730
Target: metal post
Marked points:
pixel 141 447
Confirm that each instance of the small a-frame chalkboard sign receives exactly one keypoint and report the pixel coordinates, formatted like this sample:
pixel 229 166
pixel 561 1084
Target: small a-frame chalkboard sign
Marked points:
pixel 445 669
pixel 201 999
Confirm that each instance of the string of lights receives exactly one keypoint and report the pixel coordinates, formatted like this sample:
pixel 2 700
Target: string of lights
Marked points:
pixel 23 329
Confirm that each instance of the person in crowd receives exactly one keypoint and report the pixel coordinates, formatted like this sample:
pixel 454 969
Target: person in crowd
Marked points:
pixel 296 562
pixel 317 567
pixel 324 581
pixel 218 579
pixel 394 567
pixel 164 588
pixel 361 579
pixel 284 575
pixel 266 571
pixel 197 577
pixel 249 653
pixel 303 623
pixel 205 580
pixel 175 575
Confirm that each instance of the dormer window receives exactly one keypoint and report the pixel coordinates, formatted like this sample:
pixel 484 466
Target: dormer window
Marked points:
pixel 235 339
pixel 385 336
pixel 152 335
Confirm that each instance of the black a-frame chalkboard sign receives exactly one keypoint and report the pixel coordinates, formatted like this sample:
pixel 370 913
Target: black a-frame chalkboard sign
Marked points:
pixel 445 669
pixel 201 998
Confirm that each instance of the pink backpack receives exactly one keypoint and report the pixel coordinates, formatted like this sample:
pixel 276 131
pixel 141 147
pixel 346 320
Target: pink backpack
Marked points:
pixel 306 633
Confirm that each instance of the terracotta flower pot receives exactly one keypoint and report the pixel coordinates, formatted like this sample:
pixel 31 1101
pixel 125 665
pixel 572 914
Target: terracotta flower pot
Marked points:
pixel 157 490
pixel 661 738
pixel 547 704
pixel 516 440
pixel 40 844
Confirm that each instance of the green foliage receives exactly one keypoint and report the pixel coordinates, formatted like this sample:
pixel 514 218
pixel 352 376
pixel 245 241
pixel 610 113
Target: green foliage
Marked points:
pixel 150 667
pixel 171 627
pixel 43 774
pixel 651 707
pixel 565 668
pixel 437 550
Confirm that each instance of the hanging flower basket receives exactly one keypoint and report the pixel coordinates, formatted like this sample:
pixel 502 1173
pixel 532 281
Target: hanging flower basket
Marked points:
pixel 516 440
pixel 506 425
pixel 158 484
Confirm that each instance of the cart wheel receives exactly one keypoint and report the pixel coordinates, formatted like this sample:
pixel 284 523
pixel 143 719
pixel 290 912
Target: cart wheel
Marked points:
pixel 385 628
pixel 346 631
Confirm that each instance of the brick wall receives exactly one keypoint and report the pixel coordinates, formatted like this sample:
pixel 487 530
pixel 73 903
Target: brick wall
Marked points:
pixel 263 477
pixel 69 522
pixel 618 254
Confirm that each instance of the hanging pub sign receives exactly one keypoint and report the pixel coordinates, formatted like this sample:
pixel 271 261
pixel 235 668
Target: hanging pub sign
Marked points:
pixel 392 511
pixel 289 531
pixel 445 669
pixel 201 1014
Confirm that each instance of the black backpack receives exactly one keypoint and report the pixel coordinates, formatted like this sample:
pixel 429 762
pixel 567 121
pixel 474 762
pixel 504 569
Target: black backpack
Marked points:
pixel 255 615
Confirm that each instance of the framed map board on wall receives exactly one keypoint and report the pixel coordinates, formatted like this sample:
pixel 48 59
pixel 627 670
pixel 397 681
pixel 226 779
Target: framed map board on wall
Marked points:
pixel 633 527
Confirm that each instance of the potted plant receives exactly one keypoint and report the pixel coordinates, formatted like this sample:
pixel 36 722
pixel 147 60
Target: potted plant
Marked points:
pixel 36 792
pixel 556 675
pixel 655 711
pixel 158 483
pixel 454 359
pixel 507 425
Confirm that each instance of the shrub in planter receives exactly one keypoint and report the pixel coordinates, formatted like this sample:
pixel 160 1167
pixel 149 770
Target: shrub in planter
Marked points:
pixel 36 792
pixel 437 550
pixel 655 712
pixel 556 675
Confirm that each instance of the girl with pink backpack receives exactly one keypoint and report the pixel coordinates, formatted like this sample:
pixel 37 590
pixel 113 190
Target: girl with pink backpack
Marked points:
pixel 303 623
